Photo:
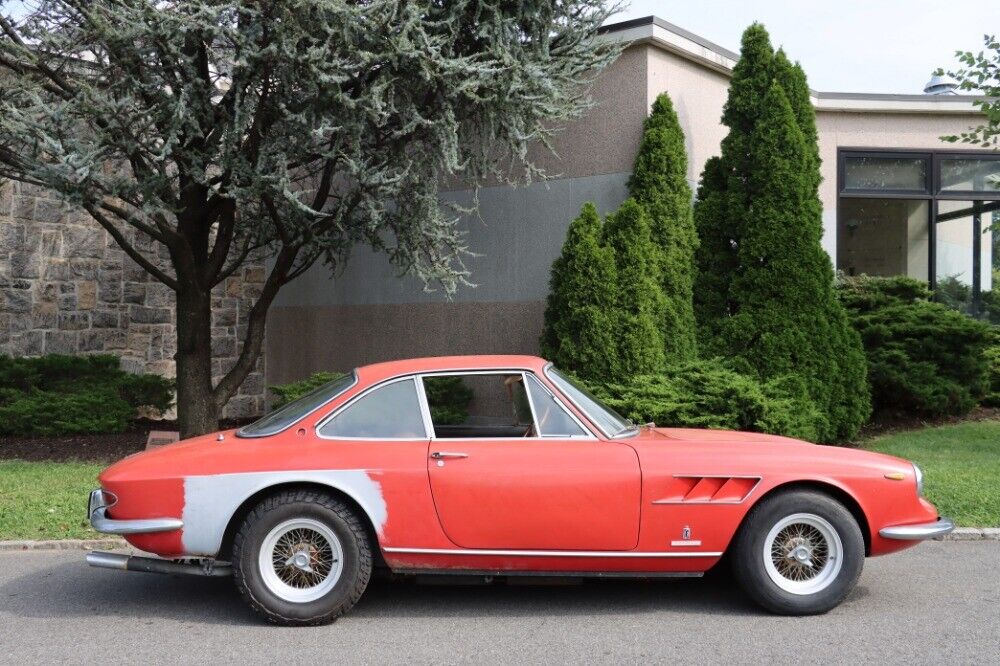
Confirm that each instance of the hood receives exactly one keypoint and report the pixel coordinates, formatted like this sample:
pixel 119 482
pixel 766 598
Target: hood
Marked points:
pixel 734 445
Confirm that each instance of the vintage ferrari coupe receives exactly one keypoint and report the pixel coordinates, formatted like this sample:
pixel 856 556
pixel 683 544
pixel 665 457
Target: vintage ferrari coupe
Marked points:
pixel 499 466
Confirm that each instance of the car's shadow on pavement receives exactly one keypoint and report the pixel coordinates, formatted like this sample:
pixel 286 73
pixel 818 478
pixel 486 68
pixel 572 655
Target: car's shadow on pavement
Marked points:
pixel 73 589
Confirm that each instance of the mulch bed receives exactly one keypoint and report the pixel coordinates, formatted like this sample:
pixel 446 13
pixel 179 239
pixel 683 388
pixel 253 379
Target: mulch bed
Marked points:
pixel 99 448
pixel 893 423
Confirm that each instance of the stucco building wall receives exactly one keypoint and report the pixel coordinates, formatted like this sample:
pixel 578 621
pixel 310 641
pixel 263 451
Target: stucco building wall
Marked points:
pixel 369 314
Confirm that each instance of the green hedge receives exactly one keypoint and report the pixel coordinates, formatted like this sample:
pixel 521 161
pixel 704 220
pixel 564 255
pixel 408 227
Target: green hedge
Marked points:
pixel 924 358
pixel 67 395
pixel 709 394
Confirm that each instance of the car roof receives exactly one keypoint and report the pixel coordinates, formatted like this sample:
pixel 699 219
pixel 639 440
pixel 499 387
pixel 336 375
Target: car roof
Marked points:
pixel 379 371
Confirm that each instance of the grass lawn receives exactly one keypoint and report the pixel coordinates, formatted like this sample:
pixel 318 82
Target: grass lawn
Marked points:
pixel 961 465
pixel 46 500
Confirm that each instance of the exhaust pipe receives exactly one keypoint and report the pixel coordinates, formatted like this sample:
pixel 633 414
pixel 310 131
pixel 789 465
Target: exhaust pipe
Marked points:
pixel 205 567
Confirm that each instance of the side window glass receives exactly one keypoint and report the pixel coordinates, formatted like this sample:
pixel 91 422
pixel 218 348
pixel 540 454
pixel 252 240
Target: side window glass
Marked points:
pixel 473 405
pixel 553 421
pixel 389 412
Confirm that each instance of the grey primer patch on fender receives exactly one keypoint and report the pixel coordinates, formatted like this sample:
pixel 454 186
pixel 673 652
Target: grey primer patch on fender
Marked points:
pixel 210 501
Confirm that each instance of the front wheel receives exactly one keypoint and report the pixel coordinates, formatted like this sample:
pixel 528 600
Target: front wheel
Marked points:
pixel 301 558
pixel 798 553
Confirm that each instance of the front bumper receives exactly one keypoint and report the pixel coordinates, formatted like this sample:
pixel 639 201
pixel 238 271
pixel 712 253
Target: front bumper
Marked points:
pixel 97 509
pixel 919 531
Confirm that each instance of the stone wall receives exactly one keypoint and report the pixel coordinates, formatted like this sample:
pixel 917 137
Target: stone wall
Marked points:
pixel 67 288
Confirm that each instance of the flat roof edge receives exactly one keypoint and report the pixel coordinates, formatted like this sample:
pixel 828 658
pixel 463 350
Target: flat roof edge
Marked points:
pixel 669 37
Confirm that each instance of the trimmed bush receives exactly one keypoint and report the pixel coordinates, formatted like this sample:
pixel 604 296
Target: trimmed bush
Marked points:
pixel 923 357
pixel 708 394
pixel 639 300
pixel 659 184
pixel 286 393
pixel 48 413
pixel 766 290
pixel 65 395
pixel 579 333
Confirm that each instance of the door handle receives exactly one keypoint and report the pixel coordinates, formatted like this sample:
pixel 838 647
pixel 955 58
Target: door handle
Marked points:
pixel 441 455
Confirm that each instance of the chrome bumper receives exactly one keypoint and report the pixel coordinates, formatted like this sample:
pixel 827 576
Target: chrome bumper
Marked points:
pixel 98 507
pixel 919 531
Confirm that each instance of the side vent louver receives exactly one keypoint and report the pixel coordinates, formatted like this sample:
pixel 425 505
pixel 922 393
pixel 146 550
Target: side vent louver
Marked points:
pixel 707 489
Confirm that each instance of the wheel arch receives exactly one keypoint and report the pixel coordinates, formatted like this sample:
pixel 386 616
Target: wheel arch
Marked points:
pixel 832 490
pixel 256 498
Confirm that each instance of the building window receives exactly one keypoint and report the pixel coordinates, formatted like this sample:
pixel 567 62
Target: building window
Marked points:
pixel 927 215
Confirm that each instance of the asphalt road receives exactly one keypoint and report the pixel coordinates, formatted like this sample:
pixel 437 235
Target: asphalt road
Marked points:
pixel 939 602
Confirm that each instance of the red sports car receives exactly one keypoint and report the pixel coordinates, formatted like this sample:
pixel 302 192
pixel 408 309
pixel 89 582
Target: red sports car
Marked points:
pixel 500 466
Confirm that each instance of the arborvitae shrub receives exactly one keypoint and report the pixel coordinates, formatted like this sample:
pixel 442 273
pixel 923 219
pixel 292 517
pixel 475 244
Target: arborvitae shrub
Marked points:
pixel 639 300
pixel 765 290
pixel 659 184
pixel 580 333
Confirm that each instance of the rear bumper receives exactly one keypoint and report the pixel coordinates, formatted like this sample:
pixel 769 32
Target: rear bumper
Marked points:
pixel 919 531
pixel 97 509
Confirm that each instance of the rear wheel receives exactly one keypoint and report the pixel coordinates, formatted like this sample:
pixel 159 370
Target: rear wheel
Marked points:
pixel 301 558
pixel 798 553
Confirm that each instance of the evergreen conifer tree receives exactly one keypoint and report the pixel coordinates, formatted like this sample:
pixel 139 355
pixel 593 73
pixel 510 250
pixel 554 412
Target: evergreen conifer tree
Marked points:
pixel 788 320
pixel 722 192
pixel 764 289
pixel 659 184
pixel 579 333
pixel 639 299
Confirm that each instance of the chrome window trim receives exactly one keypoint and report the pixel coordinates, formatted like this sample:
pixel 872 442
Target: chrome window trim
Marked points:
pixel 354 382
pixel 318 427
pixel 561 406
pixel 549 553
pixel 504 371
pixel 624 435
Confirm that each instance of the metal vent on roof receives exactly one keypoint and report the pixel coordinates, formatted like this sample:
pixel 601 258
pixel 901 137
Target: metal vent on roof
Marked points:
pixel 941 84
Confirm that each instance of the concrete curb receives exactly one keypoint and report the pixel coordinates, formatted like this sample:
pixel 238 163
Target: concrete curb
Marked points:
pixel 960 534
pixel 63 544
pixel 974 534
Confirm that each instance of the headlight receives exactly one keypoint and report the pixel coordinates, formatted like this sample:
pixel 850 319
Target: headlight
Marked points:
pixel 920 480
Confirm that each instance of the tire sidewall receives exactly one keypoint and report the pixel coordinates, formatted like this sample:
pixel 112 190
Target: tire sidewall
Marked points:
pixel 256 530
pixel 748 560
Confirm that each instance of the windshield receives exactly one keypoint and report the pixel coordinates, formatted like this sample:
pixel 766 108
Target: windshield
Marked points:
pixel 608 420
pixel 288 414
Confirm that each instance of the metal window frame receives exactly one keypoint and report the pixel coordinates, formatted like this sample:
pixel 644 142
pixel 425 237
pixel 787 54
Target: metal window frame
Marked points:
pixel 932 193
pixel 425 414
pixel 588 436
pixel 372 389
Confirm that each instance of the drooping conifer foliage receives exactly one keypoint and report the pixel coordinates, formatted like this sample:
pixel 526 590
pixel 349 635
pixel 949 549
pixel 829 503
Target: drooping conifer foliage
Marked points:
pixel 765 286
pixel 200 134
pixel 659 184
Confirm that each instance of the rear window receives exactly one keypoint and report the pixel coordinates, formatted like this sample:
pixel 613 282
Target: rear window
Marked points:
pixel 286 415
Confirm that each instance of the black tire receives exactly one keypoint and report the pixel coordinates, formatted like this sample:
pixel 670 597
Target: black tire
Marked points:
pixel 750 567
pixel 302 504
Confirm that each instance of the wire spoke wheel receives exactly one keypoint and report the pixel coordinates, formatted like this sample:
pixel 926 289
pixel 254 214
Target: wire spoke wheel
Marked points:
pixel 803 553
pixel 301 560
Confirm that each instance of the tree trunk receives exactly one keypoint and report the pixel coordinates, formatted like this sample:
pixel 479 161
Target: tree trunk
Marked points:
pixel 197 411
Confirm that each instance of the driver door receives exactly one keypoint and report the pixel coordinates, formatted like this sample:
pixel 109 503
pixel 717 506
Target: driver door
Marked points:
pixel 510 468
